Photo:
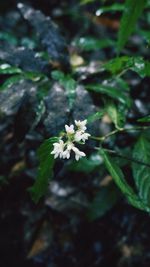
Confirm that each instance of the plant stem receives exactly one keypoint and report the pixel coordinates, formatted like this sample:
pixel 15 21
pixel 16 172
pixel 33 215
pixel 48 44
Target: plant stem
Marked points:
pixel 136 128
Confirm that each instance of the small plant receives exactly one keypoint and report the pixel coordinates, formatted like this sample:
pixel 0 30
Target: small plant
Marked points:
pixel 116 104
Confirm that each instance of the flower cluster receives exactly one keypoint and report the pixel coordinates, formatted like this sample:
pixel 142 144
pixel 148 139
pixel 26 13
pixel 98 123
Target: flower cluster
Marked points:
pixel 63 149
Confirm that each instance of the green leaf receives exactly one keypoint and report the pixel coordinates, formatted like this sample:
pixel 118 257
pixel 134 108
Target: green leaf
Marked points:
pixel 141 66
pixel 45 171
pixel 116 173
pixel 89 43
pixel 133 10
pixel 114 7
pixel 10 81
pixel 116 116
pixel 119 64
pixel 141 172
pixel 96 116
pixel 68 83
pixel 7 69
pixel 34 76
pixel 124 63
pixel 110 91
pixel 84 2
pixel 119 179
pixel 104 200
pixel 57 75
pixel 145 119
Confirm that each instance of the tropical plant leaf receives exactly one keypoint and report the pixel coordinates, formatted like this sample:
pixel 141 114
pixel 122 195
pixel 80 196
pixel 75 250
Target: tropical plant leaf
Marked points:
pixel 141 66
pixel 45 171
pixel 133 10
pixel 117 117
pixel 119 179
pixel 141 172
pixel 118 64
pixel 110 91
pixel 125 63
pixel 145 119
pixel 10 81
pixel 89 43
pixel 114 7
pixel 7 69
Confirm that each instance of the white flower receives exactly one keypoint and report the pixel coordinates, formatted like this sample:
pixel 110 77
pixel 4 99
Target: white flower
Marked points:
pixel 78 136
pixel 58 149
pixel 81 125
pixel 66 153
pixel 78 154
pixel 69 129
pixel 85 136
pixel 81 136
pixel 63 149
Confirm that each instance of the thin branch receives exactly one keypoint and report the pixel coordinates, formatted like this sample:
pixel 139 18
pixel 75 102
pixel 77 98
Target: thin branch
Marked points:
pixel 134 128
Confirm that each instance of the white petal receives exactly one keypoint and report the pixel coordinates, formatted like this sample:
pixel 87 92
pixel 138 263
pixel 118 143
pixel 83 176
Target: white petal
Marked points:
pixel 77 157
pixel 56 156
pixel 69 129
pixel 70 145
pixel 78 136
pixel 81 124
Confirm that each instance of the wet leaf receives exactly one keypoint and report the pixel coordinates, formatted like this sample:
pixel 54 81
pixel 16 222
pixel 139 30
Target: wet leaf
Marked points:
pixel 110 91
pixel 45 171
pixel 124 63
pixel 10 81
pixel 7 69
pixel 114 7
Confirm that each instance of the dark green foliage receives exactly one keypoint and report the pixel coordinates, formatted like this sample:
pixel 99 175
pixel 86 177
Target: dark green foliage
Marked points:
pixel 45 171
pixel 119 179
pixel 7 69
pixel 90 44
pixel 141 173
pixel 133 10
pixel 145 119
pixel 113 92
pixel 125 63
